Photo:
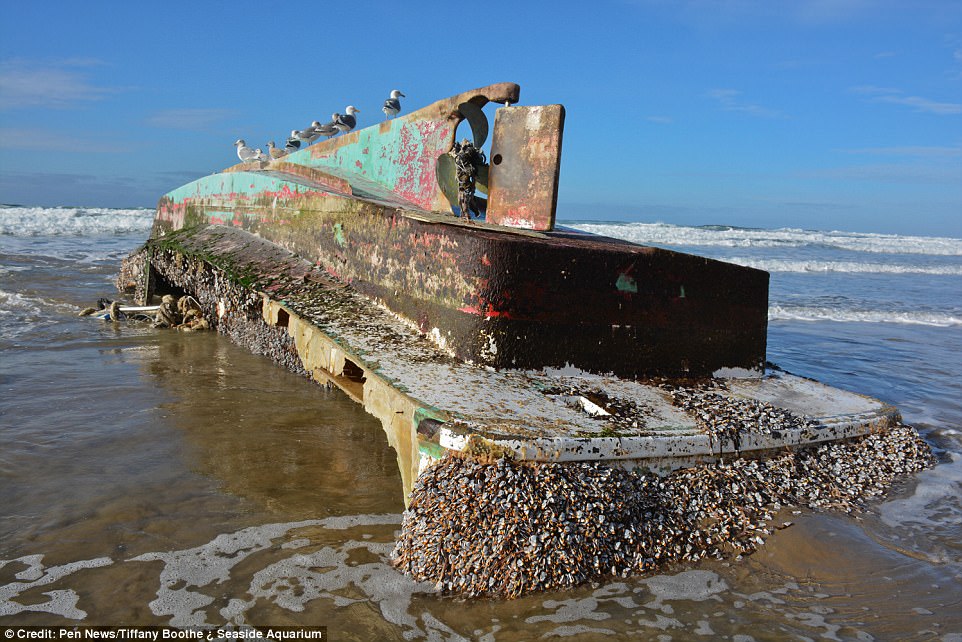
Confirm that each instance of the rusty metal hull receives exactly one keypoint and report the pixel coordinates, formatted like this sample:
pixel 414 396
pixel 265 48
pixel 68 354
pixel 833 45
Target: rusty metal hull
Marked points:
pixel 505 299
pixel 489 294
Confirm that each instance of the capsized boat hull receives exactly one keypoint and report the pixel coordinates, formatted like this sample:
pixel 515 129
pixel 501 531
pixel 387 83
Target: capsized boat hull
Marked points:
pixel 370 208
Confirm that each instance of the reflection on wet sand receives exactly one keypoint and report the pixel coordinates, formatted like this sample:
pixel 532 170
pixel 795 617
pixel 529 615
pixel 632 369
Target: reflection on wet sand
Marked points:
pixel 270 436
pixel 236 492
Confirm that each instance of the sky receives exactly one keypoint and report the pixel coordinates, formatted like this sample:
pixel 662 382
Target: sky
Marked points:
pixel 818 114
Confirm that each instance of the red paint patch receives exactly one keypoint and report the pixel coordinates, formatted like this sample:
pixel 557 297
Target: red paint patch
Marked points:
pixel 489 313
pixel 418 155
pixel 358 164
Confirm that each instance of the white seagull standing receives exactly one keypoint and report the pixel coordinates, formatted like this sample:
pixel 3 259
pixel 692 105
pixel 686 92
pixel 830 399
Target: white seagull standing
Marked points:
pixel 244 152
pixel 259 155
pixel 392 106
pixel 346 122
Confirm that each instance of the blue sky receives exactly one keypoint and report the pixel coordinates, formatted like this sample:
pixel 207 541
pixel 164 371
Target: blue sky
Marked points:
pixel 827 114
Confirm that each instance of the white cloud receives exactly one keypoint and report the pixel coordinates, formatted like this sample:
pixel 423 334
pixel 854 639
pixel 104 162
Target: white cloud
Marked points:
pixel 873 90
pixel 730 100
pixel 190 119
pixel 829 11
pixel 890 173
pixel 910 150
pixel 809 13
pixel 35 140
pixel 59 85
pixel 898 97
pixel 924 104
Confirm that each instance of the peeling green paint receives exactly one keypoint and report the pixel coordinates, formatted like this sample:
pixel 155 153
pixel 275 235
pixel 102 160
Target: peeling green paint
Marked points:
pixel 626 283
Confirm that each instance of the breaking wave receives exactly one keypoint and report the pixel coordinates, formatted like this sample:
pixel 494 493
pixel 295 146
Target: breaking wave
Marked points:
pixel 842 315
pixel 724 236
pixel 73 221
pixel 821 267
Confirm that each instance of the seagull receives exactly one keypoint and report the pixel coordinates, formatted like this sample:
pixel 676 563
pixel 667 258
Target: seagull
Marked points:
pixel 308 135
pixel 259 155
pixel 244 152
pixel 392 106
pixel 274 151
pixel 347 121
pixel 293 144
pixel 328 129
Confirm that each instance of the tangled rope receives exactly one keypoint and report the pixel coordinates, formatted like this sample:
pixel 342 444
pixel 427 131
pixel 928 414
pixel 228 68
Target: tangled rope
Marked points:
pixel 184 314
pixel 468 161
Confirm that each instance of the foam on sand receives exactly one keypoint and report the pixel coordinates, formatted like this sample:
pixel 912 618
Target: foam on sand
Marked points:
pixel 62 602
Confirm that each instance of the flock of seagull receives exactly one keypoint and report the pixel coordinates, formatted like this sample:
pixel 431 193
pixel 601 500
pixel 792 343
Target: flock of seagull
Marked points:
pixel 339 123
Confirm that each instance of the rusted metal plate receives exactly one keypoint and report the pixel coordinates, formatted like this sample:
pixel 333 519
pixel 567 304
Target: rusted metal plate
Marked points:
pixel 525 161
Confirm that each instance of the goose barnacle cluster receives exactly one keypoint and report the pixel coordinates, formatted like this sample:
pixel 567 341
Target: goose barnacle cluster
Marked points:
pixel 506 528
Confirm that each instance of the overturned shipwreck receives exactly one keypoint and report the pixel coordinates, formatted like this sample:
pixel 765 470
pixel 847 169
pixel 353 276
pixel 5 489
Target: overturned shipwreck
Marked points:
pixel 506 333
pixel 503 338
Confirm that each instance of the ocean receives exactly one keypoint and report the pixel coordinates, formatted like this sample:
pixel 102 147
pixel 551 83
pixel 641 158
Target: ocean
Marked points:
pixel 155 477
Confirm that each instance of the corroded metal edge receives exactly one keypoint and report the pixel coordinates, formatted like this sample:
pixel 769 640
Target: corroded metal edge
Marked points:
pixel 663 454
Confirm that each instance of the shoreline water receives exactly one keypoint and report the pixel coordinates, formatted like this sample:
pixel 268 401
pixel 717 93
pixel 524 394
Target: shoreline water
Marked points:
pixel 127 463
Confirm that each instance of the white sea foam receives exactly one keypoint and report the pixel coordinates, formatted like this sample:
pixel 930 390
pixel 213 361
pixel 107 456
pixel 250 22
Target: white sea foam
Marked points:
pixel 73 221
pixel 14 303
pixel 290 582
pixel 693 585
pixel 929 521
pixel 843 315
pixel 823 267
pixel 62 602
pixel 665 234
pixel 929 505
pixel 24 305
pixel 21 314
